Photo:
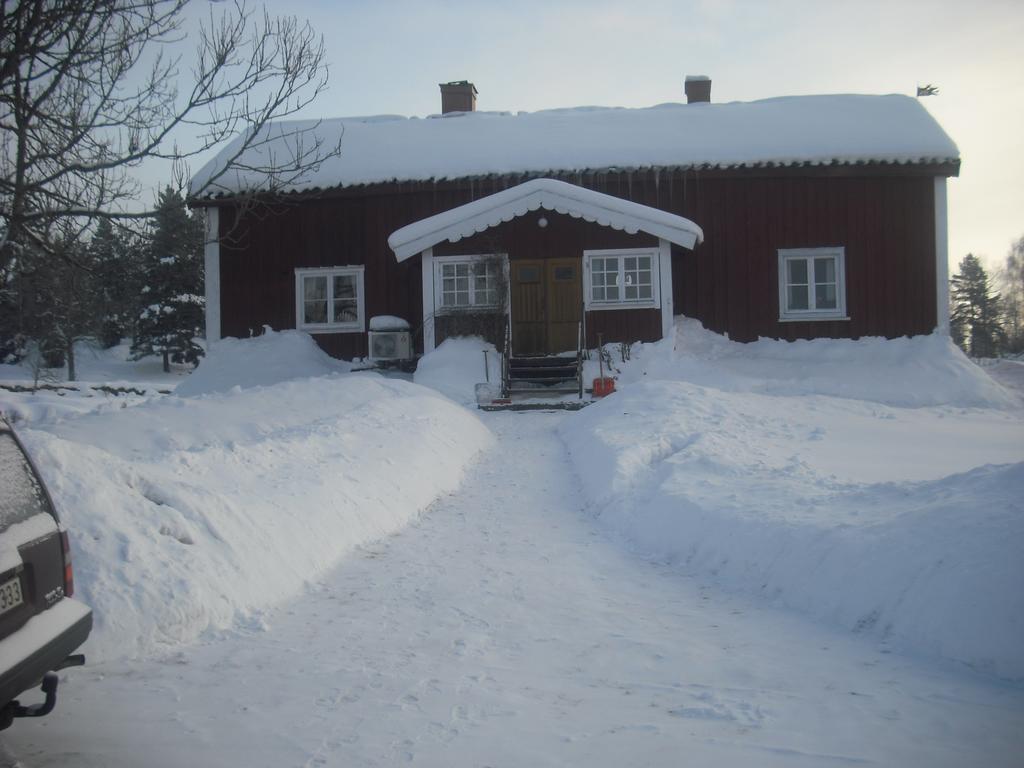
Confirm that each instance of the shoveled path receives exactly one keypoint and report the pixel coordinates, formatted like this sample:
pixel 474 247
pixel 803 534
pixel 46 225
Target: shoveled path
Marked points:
pixel 504 629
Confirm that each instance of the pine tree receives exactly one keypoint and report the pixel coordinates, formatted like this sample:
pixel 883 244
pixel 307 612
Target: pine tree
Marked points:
pixel 62 301
pixel 975 321
pixel 114 256
pixel 171 301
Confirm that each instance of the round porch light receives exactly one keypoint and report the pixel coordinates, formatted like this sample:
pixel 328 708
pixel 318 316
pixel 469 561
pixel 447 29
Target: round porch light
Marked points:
pixel 542 222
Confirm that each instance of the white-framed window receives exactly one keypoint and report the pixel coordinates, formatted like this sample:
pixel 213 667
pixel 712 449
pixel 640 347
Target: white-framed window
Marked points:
pixel 330 299
pixel 466 283
pixel 812 283
pixel 621 278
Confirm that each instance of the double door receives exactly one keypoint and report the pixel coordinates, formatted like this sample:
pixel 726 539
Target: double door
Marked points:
pixel 546 307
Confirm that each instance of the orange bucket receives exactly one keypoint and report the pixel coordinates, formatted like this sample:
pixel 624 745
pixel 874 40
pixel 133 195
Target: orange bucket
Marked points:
pixel 603 386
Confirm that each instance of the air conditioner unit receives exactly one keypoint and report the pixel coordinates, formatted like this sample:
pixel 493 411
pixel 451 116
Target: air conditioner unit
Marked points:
pixel 390 345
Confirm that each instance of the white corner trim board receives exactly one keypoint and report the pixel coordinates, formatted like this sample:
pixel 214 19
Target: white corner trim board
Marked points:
pixel 549 194
pixel 665 285
pixel 429 342
pixel 211 266
pixel 941 257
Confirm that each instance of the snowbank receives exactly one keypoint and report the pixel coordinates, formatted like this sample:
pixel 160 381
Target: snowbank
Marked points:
pixel 457 366
pixel 106 380
pixel 195 513
pixel 894 522
pixel 907 372
pixel 270 358
pixel 95 365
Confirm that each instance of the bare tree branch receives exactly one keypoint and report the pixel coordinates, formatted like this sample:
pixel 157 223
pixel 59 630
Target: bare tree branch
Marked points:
pixel 90 89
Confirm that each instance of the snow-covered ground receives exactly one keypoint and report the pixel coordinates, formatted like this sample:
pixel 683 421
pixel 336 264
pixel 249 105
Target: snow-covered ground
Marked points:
pixel 95 365
pixel 198 512
pixel 828 494
pixel 106 380
pixel 821 564
pixel 502 628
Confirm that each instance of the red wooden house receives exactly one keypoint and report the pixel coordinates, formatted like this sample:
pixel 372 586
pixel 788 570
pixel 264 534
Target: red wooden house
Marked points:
pixel 793 217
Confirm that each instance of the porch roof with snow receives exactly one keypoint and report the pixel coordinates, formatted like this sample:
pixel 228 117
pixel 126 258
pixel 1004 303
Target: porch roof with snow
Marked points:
pixel 785 131
pixel 550 195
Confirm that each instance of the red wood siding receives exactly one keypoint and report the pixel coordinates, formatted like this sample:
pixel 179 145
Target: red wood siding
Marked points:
pixel 886 226
pixel 489 326
pixel 883 216
pixel 628 325
pixel 563 236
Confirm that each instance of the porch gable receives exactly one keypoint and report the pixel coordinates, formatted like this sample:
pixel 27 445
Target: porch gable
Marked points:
pixel 548 194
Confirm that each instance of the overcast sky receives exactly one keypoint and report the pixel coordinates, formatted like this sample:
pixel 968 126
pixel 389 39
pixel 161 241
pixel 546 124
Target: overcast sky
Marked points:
pixel 388 57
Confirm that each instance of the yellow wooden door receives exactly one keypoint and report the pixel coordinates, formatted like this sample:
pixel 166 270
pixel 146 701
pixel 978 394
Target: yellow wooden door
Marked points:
pixel 546 306
pixel 529 322
pixel 564 294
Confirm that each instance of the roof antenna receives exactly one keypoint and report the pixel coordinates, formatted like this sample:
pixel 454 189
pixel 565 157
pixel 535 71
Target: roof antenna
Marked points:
pixel 927 90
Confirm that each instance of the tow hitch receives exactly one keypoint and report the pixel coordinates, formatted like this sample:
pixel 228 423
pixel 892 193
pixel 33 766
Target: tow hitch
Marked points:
pixel 49 687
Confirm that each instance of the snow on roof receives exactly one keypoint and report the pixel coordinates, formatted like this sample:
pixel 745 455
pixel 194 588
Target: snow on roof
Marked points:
pixel 551 195
pixel 781 131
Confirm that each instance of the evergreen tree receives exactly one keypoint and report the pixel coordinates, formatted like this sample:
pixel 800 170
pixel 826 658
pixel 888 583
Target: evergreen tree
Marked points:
pixel 975 321
pixel 61 303
pixel 114 257
pixel 171 302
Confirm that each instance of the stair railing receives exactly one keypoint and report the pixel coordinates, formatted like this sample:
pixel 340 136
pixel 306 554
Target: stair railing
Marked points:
pixel 579 358
pixel 506 361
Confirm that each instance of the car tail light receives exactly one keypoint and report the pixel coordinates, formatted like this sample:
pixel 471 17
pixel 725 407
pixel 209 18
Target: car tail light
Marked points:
pixel 69 575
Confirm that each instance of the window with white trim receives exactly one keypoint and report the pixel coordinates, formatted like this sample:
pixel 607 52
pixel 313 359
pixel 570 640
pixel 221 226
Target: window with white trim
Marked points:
pixel 812 284
pixel 329 299
pixel 468 282
pixel 621 279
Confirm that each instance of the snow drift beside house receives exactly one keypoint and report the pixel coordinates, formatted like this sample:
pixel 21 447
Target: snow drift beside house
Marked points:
pixel 780 131
pixel 905 372
pixel 847 480
pixel 189 514
pixel 457 366
pixel 272 357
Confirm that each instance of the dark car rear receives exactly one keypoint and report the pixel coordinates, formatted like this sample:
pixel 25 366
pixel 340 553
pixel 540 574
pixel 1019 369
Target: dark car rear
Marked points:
pixel 40 625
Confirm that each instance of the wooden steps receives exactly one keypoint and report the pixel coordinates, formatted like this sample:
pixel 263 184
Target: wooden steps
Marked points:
pixel 543 376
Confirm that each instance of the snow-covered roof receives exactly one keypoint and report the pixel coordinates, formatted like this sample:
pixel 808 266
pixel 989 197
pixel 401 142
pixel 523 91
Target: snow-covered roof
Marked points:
pixel 551 195
pixel 816 130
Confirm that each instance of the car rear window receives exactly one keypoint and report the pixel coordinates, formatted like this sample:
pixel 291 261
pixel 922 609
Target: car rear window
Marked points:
pixel 20 494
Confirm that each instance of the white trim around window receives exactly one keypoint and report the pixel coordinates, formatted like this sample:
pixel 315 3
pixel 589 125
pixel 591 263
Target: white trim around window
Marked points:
pixel 469 283
pixel 330 299
pixel 812 284
pixel 622 278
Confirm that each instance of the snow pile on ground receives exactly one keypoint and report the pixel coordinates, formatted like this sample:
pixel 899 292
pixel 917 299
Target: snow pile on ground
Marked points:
pixel 910 372
pixel 270 358
pixel 96 365
pixel 194 513
pixel 1008 372
pixel 106 380
pixel 63 401
pixel 457 366
pixel 903 523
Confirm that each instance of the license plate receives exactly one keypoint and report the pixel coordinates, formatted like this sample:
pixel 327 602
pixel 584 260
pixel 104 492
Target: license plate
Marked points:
pixel 10 595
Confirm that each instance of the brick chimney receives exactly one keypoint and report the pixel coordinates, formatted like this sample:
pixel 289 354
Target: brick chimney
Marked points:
pixel 698 89
pixel 458 96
